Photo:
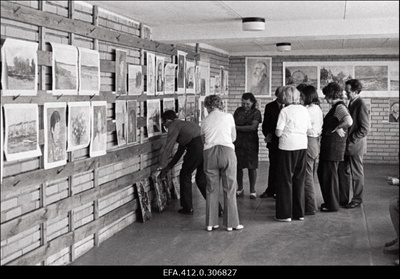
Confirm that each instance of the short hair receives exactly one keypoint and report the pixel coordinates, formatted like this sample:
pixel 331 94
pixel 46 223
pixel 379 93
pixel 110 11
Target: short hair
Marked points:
pixel 54 119
pixel 250 96
pixel 291 95
pixel 301 87
pixel 333 91
pixel 212 102
pixel 310 95
pixel 168 114
pixel 355 84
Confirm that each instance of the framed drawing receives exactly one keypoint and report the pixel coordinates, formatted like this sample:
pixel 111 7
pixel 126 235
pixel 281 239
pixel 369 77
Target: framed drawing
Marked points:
pixel 21 131
pixel 295 75
pixel 78 125
pixel 98 140
pixel 153 117
pixel 393 110
pixel 258 75
pixel 135 80
pixel 190 108
pixel 335 73
pixel 144 200
pixel 55 134
pixel 190 77
pixel 160 75
pixel 394 76
pixel 131 111
pixel 89 72
pixel 170 77
pixel 121 122
pixel 181 61
pixel 161 196
pixel 65 69
pixel 151 79
pixel 19 68
pixel 373 78
pixel 181 107
pixel 120 72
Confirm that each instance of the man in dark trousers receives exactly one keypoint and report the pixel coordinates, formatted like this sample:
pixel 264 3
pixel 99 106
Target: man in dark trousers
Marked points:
pixel 351 171
pixel 271 114
pixel 188 135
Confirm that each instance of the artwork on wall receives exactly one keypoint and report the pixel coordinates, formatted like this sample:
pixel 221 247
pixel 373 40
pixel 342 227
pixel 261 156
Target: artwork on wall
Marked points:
pixel 89 72
pixel 190 108
pixel 144 200
pixel 151 79
pixel 217 87
pixel 168 104
pixel 181 107
pixel 98 140
pixel 222 79
pixel 226 83
pixel 202 110
pixel 1 145
pixel 197 80
pixel 153 117
pixel 121 122
pixel 131 111
pixel 170 76
pixel 394 76
pixel 212 86
pixel 295 75
pixel 135 80
pixel 19 68
pixel 161 196
pixel 55 134
pixel 181 61
pixel 393 110
pixel 78 125
pixel 373 78
pixel 160 75
pixel 21 131
pixel 190 77
pixel 258 75
pixel 65 69
pixel 204 78
pixel 335 73
pixel 120 72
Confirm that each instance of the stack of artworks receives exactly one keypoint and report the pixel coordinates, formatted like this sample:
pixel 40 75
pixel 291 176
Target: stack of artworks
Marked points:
pixel 120 72
pixel 89 72
pixel 65 69
pixel 78 125
pixel 144 200
pixel 19 68
pixel 153 117
pixel 161 196
pixel 177 188
pixel 131 111
pixel 98 141
pixel 121 119
pixel 135 80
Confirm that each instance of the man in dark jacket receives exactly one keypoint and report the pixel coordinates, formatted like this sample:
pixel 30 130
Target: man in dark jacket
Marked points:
pixel 351 171
pixel 271 114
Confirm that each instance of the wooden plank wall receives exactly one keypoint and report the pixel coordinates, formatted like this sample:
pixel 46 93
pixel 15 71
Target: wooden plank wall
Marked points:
pixel 51 217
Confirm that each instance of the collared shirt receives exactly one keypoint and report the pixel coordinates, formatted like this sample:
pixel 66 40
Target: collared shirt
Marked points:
pixel 219 129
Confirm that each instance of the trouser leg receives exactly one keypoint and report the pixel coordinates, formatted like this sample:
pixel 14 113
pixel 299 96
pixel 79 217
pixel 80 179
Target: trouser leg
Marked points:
pixel 272 173
pixel 213 183
pixel 309 187
pixel 239 178
pixel 394 213
pixel 283 205
pixel 357 173
pixel 345 179
pixel 299 156
pixel 329 182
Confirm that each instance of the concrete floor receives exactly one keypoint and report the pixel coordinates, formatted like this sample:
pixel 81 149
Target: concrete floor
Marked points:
pixel 348 237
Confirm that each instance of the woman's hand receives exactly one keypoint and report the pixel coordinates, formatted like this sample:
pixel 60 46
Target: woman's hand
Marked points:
pixel 340 132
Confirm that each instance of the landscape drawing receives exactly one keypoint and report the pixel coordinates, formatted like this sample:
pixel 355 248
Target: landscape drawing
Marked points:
pixel 336 73
pixel 295 75
pixel 98 140
pixel 65 69
pixel 170 76
pixel 120 72
pixel 89 72
pixel 373 78
pixel 153 117
pixel 135 80
pixel 190 77
pixel 394 77
pixel 21 131
pixel 204 79
pixel 151 79
pixel 181 107
pixel 78 125
pixel 144 200
pixel 131 111
pixel 181 61
pixel 121 119
pixel 160 82
pixel 19 68
pixel 55 134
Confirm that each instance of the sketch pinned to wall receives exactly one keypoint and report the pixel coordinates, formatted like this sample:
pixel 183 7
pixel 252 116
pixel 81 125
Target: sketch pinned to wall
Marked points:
pixel 190 77
pixel 131 111
pixel 65 69
pixel 161 197
pixel 202 110
pixel 181 107
pixel 181 61
pixel 335 73
pixel 217 87
pixel 153 117
pixel 295 75
pixel 121 122
pixel 98 140
pixel 394 76
pixel 204 68
pixel 258 75
pixel 151 79
pixel 373 78
pixel 144 200
pixel 170 76
pixel 120 72
pixel 19 68
pixel 197 79
pixel 89 72
pixel 160 75
pixel 78 125
pixel 135 80
pixel 226 82
pixel 212 86
pixel 191 114
pixel 21 131
pixel 55 134
pixel 169 104
pixel 222 79
pixel 393 110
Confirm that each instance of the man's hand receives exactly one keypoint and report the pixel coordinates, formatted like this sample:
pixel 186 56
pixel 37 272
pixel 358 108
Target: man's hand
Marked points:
pixel 164 172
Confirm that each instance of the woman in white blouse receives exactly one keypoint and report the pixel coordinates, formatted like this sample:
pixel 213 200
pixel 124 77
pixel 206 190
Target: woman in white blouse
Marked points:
pixel 310 99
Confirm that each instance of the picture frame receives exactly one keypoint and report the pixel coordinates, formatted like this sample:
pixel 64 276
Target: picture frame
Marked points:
pixel 393 110
pixel 258 71
pixel 161 196
pixel 190 77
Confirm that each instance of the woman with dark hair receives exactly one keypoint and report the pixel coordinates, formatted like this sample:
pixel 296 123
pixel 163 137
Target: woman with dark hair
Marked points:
pixel 55 152
pixel 247 118
pixel 333 145
pixel 310 99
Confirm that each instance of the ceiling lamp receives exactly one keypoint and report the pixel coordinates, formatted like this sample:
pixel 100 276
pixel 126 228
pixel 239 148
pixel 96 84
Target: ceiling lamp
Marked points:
pixel 253 24
pixel 282 47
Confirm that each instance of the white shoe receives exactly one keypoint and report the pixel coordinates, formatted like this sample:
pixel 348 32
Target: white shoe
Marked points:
pixel 284 220
pixel 253 196
pixel 239 227
pixel 210 228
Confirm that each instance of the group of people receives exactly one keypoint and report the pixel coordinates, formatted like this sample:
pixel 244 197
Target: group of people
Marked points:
pixel 296 133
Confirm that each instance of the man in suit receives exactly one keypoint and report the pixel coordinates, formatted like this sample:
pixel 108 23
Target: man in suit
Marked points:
pixel 351 172
pixel 271 114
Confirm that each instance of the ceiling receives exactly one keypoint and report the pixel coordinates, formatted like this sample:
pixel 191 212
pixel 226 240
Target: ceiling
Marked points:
pixel 312 27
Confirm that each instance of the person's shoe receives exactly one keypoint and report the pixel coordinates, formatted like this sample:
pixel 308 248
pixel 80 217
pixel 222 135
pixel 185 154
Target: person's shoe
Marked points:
pixel 324 208
pixel 210 228
pixel 310 213
pixel 283 219
pixel 240 193
pixel 391 243
pixel 353 204
pixel 343 204
pixel 266 195
pixel 238 228
pixel 394 249
pixel 253 196
pixel 299 219
pixel 186 211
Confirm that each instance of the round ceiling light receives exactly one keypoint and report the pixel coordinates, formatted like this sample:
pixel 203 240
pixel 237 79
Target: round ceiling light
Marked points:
pixel 282 47
pixel 253 24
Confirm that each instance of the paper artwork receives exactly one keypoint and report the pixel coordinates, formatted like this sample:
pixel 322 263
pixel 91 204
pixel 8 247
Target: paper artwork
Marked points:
pixel 65 69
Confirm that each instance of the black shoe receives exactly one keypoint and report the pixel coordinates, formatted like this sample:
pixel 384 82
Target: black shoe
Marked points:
pixel 267 195
pixel 324 208
pixel 353 204
pixel 186 211
pixel 343 204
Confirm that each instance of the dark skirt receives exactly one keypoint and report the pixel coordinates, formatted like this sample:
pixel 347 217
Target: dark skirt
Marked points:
pixel 246 149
